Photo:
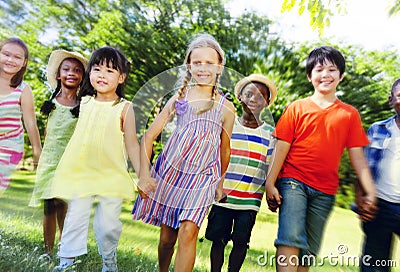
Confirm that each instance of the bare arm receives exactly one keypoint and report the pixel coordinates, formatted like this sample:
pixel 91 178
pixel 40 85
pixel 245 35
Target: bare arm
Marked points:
pixel 131 142
pixel 367 205
pixel 228 119
pixel 146 183
pixel 29 117
pixel 277 159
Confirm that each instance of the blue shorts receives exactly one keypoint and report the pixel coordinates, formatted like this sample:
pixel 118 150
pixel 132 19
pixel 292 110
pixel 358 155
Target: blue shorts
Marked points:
pixel 302 216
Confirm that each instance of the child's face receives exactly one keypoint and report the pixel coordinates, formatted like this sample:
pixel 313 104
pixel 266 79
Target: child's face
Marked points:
pixel 71 73
pixel 325 78
pixel 394 99
pixel 204 65
pixel 105 80
pixel 12 58
pixel 254 98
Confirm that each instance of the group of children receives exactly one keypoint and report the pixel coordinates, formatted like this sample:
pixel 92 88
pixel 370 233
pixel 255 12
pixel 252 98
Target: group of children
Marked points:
pixel 213 157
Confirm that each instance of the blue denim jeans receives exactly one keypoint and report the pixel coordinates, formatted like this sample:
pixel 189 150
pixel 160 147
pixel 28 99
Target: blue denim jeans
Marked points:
pixel 379 237
pixel 302 216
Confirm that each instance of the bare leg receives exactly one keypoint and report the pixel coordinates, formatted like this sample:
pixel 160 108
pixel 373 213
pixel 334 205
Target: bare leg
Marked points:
pixel 49 225
pixel 166 245
pixel 303 269
pixel 217 255
pixel 61 207
pixel 186 253
pixel 288 262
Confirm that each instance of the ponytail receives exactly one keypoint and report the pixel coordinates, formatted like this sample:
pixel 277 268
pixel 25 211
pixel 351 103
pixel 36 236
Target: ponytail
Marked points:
pixel 213 96
pixel 48 105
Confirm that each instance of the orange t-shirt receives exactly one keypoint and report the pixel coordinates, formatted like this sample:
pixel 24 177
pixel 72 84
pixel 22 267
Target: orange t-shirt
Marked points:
pixel 318 137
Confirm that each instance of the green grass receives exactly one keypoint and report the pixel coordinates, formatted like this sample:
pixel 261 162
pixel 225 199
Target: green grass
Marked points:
pixel 21 239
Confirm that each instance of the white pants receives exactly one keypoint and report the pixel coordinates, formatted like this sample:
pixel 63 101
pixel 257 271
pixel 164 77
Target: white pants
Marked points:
pixel 106 224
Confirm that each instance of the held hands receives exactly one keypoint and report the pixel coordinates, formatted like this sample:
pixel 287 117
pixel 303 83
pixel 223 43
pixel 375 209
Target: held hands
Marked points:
pixel 366 206
pixel 36 156
pixel 273 197
pixel 220 195
pixel 146 185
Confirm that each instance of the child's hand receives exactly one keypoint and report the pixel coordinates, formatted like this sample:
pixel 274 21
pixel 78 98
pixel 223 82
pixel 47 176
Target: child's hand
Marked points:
pixel 366 207
pixel 36 156
pixel 220 196
pixel 273 197
pixel 146 186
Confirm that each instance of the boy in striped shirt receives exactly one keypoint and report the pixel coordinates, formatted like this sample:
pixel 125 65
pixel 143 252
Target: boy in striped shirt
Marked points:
pixel 252 143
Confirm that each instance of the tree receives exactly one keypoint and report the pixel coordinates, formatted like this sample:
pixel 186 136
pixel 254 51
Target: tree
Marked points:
pixel 321 11
pixel 154 35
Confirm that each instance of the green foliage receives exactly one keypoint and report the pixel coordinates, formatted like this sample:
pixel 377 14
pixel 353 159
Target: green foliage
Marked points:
pixel 154 36
pixel 321 11
pixel 394 8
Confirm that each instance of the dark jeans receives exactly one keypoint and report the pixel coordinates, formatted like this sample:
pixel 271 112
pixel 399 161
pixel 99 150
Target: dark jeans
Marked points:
pixel 379 237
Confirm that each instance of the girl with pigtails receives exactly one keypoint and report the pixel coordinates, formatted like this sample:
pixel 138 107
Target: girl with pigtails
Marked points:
pixel 65 72
pixel 188 174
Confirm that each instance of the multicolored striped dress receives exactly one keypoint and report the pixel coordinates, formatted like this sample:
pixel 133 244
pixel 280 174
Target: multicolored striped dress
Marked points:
pixel 187 171
pixel 251 150
pixel 11 134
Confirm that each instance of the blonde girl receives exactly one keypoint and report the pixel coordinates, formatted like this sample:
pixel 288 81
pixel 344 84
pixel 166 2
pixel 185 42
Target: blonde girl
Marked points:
pixel 182 184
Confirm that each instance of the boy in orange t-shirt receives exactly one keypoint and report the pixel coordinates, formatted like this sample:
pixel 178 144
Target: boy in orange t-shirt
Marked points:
pixel 311 136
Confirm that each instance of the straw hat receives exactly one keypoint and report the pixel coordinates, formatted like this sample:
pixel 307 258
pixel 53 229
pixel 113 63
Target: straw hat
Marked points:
pixel 56 58
pixel 257 78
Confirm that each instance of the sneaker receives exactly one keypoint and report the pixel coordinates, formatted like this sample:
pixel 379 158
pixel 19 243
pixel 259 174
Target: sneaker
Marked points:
pixel 64 266
pixel 44 258
pixel 110 264
pixel 109 267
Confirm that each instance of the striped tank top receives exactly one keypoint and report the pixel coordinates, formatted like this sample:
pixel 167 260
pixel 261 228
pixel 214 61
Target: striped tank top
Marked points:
pixel 11 113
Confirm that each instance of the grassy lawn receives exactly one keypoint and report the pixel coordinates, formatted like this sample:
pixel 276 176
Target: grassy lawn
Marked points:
pixel 21 239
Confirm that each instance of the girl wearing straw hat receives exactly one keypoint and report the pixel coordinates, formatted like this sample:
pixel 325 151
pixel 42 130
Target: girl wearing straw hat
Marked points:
pixel 65 71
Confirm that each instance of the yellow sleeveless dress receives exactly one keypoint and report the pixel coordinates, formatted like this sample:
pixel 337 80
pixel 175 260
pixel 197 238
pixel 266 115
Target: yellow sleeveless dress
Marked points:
pixel 95 161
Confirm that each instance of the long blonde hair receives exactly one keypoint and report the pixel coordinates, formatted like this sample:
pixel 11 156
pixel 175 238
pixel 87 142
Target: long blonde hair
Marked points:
pixel 185 77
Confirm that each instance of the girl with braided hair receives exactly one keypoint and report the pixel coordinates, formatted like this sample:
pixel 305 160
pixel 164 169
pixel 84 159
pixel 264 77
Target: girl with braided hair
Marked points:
pixel 65 72
pixel 188 174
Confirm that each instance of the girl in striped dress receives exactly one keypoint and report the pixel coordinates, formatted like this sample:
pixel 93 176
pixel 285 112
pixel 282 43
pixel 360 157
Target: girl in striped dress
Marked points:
pixel 16 102
pixel 178 191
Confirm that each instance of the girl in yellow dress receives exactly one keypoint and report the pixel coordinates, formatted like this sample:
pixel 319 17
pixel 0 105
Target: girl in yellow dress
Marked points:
pixel 94 164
